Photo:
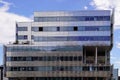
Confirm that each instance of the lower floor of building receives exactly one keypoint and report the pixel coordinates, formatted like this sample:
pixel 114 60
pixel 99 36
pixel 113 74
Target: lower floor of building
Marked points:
pixel 61 78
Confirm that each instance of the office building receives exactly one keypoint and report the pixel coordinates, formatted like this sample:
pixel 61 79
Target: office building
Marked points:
pixel 115 74
pixel 62 45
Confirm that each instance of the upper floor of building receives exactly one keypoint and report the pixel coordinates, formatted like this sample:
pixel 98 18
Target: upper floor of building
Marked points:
pixel 67 27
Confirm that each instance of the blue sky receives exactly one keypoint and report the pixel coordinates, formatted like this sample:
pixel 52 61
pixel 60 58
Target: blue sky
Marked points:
pixel 28 7
pixel 22 10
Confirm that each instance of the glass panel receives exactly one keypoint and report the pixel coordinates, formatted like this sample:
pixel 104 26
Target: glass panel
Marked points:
pixel 20 37
pixel 72 18
pixel 72 38
pixel 71 28
pixel 21 28
pixel 46 58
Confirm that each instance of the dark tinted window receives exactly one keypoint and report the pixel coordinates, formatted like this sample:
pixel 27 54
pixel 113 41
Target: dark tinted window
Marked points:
pixel 58 28
pixel 40 28
pixel 72 28
pixel 75 28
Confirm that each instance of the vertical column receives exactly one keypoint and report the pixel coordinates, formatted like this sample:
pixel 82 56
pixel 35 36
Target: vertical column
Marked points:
pixel 106 57
pixel 95 55
pixel 29 32
pixel 85 57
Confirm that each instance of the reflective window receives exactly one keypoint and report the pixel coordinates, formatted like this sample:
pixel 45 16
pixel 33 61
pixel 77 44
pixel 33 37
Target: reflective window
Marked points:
pixel 46 58
pixel 21 28
pixel 22 37
pixel 86 68
pixel 70 28
pixel 36 29
pixel 43 48
pixel 72 38
pixel 59 68
pixel 72 18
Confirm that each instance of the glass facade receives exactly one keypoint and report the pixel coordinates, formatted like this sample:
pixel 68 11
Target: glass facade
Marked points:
pixel 72 38
pixel 70 28
pixel 63 46
pixel 22 28
pixel 46 58
pixel 22 37
pixel 71 18
pixel 62 78
pixel 60 68
pixel 43 48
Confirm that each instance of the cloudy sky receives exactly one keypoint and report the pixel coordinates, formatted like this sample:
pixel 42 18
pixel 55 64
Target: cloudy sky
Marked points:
pixel 12 11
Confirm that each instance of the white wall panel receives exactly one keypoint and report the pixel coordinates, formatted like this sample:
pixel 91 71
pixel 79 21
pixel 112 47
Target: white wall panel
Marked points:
pixel 76 23
pixel 67 43
pixel 73 13
pixel 73 33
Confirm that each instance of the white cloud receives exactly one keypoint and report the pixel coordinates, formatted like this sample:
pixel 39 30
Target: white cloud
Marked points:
pixel 117 26
pixel 5 6
pixel 118 45
pixel 113 57
pixel 85 7
pixel 108 5
pixel 7 23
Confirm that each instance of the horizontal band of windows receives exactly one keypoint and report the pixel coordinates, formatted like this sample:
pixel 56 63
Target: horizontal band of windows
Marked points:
pixel 60 68
pixel 72 18
pixel 72 38
pixel 46 58
pixel 44 48
pixel 21 28
pixel 69 28
pixel 62 78
pixel 22 37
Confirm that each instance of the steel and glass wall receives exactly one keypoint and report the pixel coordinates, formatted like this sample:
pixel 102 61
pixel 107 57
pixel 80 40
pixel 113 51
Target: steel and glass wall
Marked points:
pixel 65 28
pixel 53 45
pixel 34 61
